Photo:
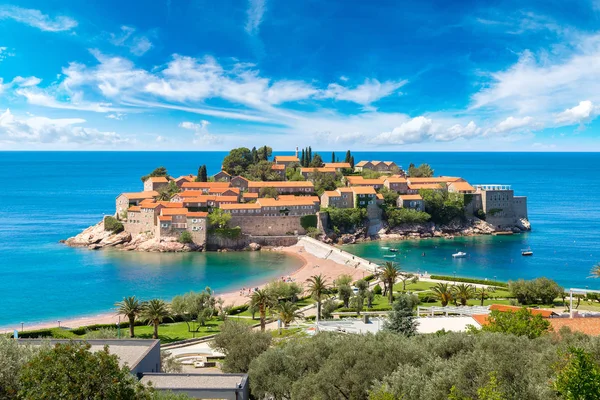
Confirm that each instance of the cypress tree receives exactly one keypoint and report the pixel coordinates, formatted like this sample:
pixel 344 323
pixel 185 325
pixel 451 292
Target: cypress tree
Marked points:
pixel 265 153
pixel 348 156
pixel 302 159
pixel 333 156
pixel 254 155
pixel 310 156
pixel 199 174
pixel 202 174
pixel 352 162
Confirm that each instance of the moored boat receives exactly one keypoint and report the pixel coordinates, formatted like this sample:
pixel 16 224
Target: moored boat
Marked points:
pixel 460 254
pixel 527 252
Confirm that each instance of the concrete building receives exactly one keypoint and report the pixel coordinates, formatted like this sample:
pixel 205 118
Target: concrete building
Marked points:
pixel 286 160
pixel 155 183
pixel 288 187
pixel 412 201
pixel 201 386
pixel 125 200
pixel 385 167
pixel 501 206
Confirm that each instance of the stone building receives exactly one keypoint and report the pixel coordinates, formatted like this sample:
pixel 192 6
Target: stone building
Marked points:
pixel 125 200
pixel 460 187
pixel 340 198
pixel 364 196
pixel 385 167
pixel 286 160
pixel 287 187
pixel 239 182
pixel 222 176
pixel 501 206
pixel 155 183
pixel 396 183
pixel 307 172
pixel 279 169
pixel 338 166
pixel 412 201
pixel 360 181
pixel 204 186
pixel 174 221
pixel 183 179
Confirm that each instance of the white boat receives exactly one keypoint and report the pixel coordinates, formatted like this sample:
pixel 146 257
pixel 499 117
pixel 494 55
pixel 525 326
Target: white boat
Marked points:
pixel 390 256
pixel 527 252
pixel 385 248
pixel 460 254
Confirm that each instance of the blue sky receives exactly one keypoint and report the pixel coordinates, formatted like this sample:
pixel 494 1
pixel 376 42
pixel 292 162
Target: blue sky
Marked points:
pixel 381 75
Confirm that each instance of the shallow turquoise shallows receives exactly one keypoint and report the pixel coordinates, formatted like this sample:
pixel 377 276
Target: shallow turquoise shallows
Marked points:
pixel 50 196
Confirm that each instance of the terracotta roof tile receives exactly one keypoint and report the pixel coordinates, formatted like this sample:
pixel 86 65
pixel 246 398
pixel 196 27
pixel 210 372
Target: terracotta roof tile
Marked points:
pixel 363 190
pixel 140 195
pixel 278 167
pixel 281 184
pixel 338 165
pixel 197 214
pixel 205 185
pixel 312 170
pixel 174 211
pixel 411 197
pixel 534 311
pixel 286 159
pixel 588 325
pixel 158 179
pixel 165 218
pixel 240 206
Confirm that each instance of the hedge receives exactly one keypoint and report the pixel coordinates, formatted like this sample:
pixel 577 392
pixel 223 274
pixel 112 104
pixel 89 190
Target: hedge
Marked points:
pixel 237 309
pixel 308 221
pixel 470 280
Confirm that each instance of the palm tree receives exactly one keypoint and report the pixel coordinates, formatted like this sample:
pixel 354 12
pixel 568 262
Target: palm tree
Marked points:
pixel 288 313
pixel 463 292
pixel 130 307
pixel 443 292
pixel 154 311
pixel 483 292
pixel 262 299
pixel 317 287
pixel 389 275
pixel 595 271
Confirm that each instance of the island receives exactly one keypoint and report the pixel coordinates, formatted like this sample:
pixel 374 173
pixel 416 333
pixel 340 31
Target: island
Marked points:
pixel 258 200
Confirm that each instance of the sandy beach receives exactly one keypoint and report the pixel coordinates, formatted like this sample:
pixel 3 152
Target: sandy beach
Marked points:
pixel 312 265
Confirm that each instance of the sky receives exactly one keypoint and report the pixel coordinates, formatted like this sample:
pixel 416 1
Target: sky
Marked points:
pixel 342 74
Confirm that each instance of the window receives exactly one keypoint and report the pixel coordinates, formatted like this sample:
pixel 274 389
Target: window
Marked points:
pixel 164 225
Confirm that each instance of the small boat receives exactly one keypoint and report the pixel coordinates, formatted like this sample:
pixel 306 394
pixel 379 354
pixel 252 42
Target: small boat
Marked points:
pixel 527 252
pixel 460 254
pixel 385 248
pixel 394 250
pixel 390 256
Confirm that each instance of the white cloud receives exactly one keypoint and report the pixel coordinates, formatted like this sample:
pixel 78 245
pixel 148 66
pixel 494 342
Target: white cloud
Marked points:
pixel 255 13
pixel 416 130
pixel 39 97
pixel 137 44
pixel 512 124
pixel 581 113
pixel 457 131
pixel 5 53
pixel 202 136
pixel 160 139
pixel 116 116
pixel 64 131
pixel 368 92
pixel 36 19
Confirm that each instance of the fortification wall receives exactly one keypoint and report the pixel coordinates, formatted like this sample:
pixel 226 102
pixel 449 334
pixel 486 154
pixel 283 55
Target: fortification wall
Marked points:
pixel 268 226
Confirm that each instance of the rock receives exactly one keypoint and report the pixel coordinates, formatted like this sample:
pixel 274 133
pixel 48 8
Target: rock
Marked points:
pixel 254 246
pixel 115 240
pixel 94 247
pixel 92 235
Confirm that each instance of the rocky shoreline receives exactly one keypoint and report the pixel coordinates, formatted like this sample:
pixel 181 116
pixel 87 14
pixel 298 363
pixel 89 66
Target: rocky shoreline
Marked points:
pixel 474 227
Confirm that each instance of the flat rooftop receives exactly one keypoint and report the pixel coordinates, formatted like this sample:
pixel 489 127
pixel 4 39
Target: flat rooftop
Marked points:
pixel 129 351
pixel 195 381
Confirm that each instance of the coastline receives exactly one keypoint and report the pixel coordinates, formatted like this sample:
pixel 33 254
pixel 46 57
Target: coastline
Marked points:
pixel 328 268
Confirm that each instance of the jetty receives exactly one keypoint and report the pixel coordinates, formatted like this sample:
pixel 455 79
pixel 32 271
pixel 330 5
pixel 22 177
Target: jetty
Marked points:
pixel 328 252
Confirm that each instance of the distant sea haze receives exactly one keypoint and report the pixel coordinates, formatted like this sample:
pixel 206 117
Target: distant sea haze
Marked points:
pixel 54 195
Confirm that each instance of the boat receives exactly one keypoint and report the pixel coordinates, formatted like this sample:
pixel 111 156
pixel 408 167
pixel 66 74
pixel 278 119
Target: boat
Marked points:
pixel 460 254
pixel 390 256
pixel 527 252
pixel 394 250
pixel 385 248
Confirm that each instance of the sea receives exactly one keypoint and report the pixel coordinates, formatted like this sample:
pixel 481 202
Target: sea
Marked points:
pixel 49 196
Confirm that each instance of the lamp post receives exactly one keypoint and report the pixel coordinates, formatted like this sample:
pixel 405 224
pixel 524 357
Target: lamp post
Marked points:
pixel 22 323
pixel 119 328
pixel 59 323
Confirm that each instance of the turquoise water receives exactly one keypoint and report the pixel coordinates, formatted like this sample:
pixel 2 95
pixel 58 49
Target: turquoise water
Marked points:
pixel 50 196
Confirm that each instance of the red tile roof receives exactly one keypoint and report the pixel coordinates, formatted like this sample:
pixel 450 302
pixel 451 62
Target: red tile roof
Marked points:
pixel 197 214
pixel 363 190
pixel 534 311
pixel 158 179
pixel 410 197
pixel 587 325
pixel 205 185
pixel 140 195
pixel 174 211
pixel 338 165
pixel 280 184
pixel 287 159
pixel 165 218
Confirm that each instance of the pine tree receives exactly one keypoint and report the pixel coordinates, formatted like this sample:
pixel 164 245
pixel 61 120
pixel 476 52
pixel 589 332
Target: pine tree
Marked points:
pixel 348 156
pixel 333 156
pixel 254 155
pixel 202 174
pixel 265 153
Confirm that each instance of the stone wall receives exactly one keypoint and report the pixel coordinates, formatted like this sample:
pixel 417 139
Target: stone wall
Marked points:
pixel 216 242
pixel 520 207
pixel 322 221
pixel 268 226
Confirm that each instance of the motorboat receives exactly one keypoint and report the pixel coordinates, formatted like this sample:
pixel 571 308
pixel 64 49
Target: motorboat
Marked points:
pixel 385 248
pixel 460 254
pixel 389 256
pixel 527 252
pixel 394 250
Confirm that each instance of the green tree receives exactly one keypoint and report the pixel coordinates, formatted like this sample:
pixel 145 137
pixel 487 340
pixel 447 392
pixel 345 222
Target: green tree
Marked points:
pixel 443 206
pixel 323 181
pixel 357 303
pixel 348 156
pixel 218 218
pixel 202 174
pixel 288 312
pixel 463 292
pixel 328 308
pixel 318 289
pixel 111 224
pixel 423 170
pixel 70 371
pixel 520 323
pixel 345 219
pixel 237 161
pixel 541 290
pixel 268 192
pixel 443 292
pixel 154 312
pixel 333 156
pixel 344 294
pixel 390 197
pixel 254 155
pixel 160 171
pixel 263 300
pixel 484 292
pixel 362 286
pixel 264 153
pixel 399 216
pixel 185 237
pixel 132 308
pixel 389 274
pixel 303 159
pixel 240 344
pixel 262 171
pixel 195 306
pixel 316 161
pixel 13 357
pixel 352 162
pixel 284 291
pixel 408 277
pixel 578 376
pixel 401 319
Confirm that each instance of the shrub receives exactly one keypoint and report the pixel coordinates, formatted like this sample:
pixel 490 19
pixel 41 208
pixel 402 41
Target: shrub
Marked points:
pixel 377 289
pixel 113 225
pixel 480 214
pixel 541 290
pixel 398 216
pixel 313 232
pixel 237 309
pixel 227 233
pixel 308 221
pixel 346 218
pixel 185 237
pixel 470 280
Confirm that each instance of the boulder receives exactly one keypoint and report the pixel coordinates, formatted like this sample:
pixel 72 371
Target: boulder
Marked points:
pixel 254 246
pixel 114 240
